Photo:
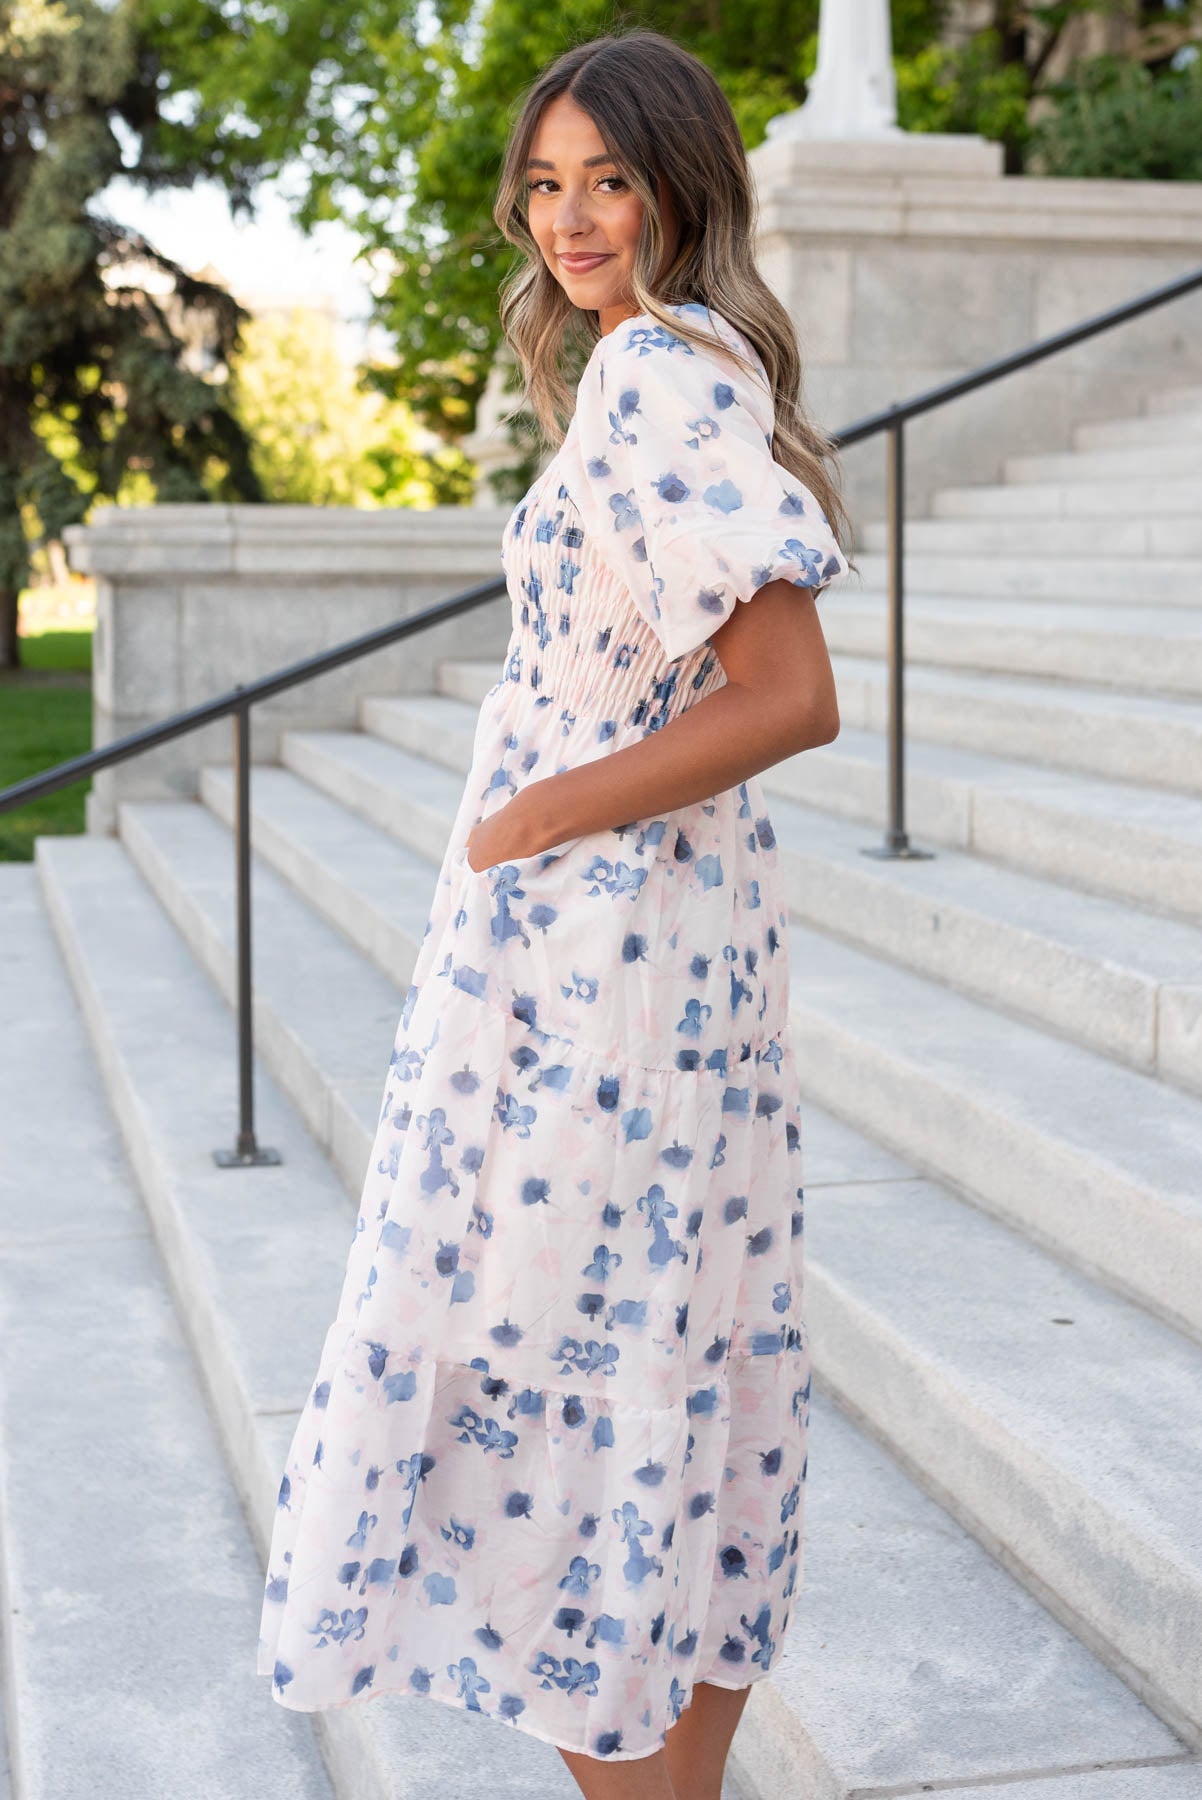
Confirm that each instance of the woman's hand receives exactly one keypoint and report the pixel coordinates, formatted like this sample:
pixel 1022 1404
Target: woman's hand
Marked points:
pixel 509 832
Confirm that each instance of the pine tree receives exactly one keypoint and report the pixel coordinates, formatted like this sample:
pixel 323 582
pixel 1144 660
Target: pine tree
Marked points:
pixel 112 357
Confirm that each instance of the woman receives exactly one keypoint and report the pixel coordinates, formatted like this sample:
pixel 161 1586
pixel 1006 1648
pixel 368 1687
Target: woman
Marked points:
pixel 551 1469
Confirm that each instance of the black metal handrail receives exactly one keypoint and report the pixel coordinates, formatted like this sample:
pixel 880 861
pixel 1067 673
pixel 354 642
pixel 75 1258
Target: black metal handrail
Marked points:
pixel 239 700
pixel 245 695
pixel 893 420
pixel 247 1151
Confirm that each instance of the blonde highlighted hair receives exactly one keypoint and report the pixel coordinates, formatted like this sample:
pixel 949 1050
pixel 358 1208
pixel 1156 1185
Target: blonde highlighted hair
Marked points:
pixel 662 116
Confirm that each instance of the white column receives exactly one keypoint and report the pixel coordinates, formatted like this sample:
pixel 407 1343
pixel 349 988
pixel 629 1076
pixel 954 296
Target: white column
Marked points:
pixel 852 93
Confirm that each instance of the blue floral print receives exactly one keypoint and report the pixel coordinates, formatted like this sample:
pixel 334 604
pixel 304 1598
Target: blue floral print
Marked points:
pixel 687 504
pixel 552 1463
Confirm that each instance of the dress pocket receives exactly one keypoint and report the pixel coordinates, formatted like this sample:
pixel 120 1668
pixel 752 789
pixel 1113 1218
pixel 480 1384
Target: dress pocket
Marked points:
pixel 526 866
pixel 567 938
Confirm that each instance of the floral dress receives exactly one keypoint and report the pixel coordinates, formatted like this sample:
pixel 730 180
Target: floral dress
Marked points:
pixel 551 1466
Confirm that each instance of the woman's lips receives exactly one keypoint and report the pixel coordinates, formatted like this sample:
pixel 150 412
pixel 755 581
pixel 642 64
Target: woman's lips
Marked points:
pixel 579 265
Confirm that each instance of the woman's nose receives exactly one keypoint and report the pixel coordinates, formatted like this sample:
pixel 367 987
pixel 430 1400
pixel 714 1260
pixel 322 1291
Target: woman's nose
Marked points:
pixel 571 214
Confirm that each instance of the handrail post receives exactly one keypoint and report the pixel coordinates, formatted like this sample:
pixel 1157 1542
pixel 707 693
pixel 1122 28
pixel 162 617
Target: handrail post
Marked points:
pixel 897 843
pixel 246 1152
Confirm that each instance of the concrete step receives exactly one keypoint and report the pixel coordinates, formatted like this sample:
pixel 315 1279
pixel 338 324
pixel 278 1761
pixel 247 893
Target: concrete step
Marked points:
pixel 1060 1424
pixel 256 1259
pixel 327 1038
pixel 1116 839
pixel 1100 731
pixel 458 677
pixel 6 1767
pixel 1148 462
pixel 1119 982
pixel 372 887
pixel 1134 844
pixel 1133 738
pixel 1178 1780
pixel 1138 649
pixel 976 1060
pixel 878 1712
pixel 1164 581
pixel 435 726
pixel 414 800
pixel 1022 537
pixel 1175 399
pixel 1091 1160
pixel 1179 428
pixel 1114 497
pixel 1104 975
pixel 129 1571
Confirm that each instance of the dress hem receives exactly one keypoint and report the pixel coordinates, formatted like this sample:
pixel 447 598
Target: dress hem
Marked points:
pixel 543 1737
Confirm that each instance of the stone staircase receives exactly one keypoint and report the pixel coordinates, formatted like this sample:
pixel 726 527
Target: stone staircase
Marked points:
pixel 1002 1055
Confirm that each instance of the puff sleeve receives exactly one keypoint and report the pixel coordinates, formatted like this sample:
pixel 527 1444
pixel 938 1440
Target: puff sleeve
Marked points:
pixel 690 509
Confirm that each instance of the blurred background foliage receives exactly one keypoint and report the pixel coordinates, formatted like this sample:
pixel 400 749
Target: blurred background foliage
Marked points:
pixel 323 436
pixel 1117 119
pixel 95 385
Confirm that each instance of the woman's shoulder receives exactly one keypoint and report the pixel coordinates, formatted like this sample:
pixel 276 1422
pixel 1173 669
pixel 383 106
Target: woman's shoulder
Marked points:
pixel 643 349
pixel 643 336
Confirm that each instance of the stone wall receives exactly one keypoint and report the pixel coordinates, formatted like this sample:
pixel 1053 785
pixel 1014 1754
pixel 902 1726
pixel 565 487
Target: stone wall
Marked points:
pixel 912 261
pixel 192 599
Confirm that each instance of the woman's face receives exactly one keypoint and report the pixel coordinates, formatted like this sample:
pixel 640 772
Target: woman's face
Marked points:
pixel 583 216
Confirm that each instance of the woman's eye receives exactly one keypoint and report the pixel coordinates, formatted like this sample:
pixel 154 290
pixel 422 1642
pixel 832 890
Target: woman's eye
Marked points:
pixel 546 182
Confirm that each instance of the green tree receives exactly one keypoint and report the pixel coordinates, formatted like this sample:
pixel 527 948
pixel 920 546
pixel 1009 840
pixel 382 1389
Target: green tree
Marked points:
pixel 1120 120
pixel 322 437
pixel 99 333
pixel 1111 104
pixel 969 88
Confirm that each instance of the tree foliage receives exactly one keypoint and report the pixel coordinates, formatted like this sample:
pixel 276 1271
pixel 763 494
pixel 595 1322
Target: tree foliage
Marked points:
pixel 1118 120
pixel 95 324
pixel 320 436
pixel 1108 115
pixel 967 89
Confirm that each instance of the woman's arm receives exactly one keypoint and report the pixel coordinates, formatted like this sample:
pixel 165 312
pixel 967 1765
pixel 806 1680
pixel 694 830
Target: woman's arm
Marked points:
pixel 779 698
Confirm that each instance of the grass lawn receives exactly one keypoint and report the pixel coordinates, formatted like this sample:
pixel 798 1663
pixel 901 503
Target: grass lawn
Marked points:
pixel 45 717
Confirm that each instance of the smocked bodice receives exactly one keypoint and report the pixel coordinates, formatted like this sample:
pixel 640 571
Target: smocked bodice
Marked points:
pixel 580 646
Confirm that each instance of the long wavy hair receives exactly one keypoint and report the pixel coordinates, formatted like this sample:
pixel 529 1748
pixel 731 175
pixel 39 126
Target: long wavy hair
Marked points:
pixel 662 116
